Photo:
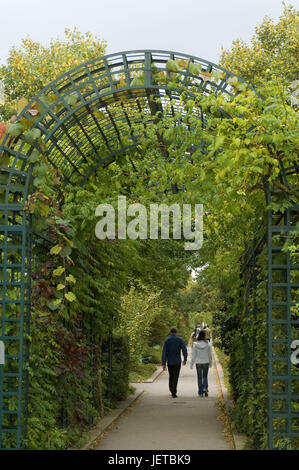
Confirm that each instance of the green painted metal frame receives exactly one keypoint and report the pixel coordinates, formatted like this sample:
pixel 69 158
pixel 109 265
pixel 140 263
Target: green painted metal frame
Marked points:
pixel 282 320
pixel 78 140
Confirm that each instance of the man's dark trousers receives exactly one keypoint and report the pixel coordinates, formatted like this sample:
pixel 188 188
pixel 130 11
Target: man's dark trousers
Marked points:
pixel 174 372
pixel 171 355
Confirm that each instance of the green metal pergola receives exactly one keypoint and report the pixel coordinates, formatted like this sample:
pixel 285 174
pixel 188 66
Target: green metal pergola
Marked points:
pixel 89 118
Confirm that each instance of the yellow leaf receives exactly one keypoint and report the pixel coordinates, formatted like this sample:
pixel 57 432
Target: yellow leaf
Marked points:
pixel 69 241
pixel 70 296
pixel 21 104
pixel 55 250
pixel 58 271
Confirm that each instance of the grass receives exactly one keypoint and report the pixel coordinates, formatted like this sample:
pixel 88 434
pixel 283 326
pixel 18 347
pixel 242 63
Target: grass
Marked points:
pixel 156 355
pixel 142 372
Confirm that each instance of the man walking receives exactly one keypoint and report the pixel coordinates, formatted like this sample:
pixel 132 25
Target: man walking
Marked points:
pixel 173 345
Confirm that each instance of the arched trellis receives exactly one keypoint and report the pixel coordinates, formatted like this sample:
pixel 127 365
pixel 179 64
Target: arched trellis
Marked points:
pixel 89 111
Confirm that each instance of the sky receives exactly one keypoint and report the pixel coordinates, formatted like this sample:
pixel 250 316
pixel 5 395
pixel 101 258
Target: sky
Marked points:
pixel 196 27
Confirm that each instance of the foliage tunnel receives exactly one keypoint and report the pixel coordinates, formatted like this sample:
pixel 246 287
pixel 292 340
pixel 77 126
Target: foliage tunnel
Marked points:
pixel 154 126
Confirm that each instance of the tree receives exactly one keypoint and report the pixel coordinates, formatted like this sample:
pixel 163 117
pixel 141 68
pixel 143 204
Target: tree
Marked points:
pixel 139 309
pixel 273 52
pixel 32 66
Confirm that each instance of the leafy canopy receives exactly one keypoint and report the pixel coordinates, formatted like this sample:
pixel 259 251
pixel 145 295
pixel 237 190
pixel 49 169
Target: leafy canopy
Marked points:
pixel 273 51
pixel 31 66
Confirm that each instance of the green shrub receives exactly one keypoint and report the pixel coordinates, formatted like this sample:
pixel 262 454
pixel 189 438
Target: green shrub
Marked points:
pixel 116 384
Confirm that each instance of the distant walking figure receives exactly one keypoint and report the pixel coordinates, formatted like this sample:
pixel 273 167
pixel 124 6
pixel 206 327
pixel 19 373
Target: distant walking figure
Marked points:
pixel 202 357
pixel 194 335
pixel 207 332
pixel 171 354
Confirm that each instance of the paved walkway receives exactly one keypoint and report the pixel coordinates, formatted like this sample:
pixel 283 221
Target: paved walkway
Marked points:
pixel 159 422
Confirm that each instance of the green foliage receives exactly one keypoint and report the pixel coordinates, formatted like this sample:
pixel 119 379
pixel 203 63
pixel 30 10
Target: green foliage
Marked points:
pixel 218 150
pixel 60 383
pixel 154 353
pixel 44 430
pixel 273 51
pixel 115 386
pixel 32 66
pixel 139 309
pixel 250 144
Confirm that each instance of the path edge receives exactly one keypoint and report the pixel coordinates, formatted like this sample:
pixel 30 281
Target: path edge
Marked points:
pixel 103 424
pixel 238 439
pixel 159 371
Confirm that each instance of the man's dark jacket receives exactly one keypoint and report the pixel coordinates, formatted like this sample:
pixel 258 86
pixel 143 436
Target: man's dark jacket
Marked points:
pixel 173 345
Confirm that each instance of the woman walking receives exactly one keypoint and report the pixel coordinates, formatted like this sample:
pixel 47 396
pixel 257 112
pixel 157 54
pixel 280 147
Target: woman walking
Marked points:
pixel 202 357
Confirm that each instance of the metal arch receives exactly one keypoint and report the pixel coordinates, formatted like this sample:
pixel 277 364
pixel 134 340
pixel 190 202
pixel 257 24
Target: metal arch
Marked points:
pixel 69 138
pixel 69 133
pixel 98 124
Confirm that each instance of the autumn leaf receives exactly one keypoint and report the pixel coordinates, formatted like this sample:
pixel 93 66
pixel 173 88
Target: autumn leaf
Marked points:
pixel 2 129
pixel 205 76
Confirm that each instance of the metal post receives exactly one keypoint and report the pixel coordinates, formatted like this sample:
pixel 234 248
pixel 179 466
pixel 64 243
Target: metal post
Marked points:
pixel 27 330
pixel 269 321
pixel 110 364
pixel 246 322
